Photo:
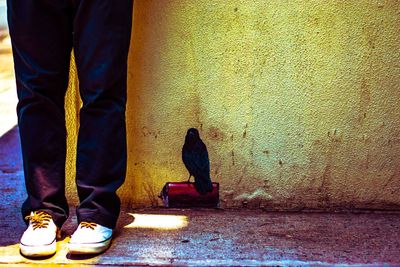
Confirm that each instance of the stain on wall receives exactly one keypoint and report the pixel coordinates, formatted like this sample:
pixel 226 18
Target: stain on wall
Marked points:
pixel 298 103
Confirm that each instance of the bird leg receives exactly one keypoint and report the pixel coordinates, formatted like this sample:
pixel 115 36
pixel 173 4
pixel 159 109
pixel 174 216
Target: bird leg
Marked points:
pixel 190 175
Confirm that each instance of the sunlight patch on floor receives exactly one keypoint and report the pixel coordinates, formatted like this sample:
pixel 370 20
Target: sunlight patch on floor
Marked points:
pixel 8 92
pixel 10 255
pixel 156 221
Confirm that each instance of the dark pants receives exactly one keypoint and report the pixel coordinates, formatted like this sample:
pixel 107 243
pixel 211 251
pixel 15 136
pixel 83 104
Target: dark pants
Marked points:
pixel 43 32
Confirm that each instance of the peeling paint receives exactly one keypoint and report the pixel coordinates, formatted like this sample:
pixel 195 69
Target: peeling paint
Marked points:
pixel 258 198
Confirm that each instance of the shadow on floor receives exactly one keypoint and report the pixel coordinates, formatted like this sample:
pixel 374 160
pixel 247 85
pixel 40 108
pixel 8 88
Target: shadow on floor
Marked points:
pixel 11 188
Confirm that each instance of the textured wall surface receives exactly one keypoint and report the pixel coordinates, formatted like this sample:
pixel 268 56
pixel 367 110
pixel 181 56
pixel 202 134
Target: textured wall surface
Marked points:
pixel 72 106
pixel 298 103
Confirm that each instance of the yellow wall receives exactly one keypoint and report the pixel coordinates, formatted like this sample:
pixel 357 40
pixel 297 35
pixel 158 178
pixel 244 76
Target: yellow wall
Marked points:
pixel 298 101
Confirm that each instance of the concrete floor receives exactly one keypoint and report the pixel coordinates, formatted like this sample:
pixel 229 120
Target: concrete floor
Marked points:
pixel 164 237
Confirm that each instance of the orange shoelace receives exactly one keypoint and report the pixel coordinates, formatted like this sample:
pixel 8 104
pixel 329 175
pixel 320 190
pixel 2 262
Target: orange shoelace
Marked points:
pixel 88 225
pixel 39 219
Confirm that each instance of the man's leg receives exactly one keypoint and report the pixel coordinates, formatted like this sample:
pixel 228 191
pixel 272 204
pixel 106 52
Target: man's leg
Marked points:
pixel 41 36
pixel 101 42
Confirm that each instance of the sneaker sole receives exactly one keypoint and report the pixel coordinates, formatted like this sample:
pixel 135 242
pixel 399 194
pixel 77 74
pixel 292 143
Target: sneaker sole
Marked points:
pixel 92 248
pixel 38 251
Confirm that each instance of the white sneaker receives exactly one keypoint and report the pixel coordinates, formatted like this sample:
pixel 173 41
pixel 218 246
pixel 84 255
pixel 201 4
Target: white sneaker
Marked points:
pixel 90 238
pixel 40 239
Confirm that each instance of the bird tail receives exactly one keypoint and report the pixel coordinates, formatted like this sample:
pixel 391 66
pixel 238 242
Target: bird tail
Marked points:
pixel 203 186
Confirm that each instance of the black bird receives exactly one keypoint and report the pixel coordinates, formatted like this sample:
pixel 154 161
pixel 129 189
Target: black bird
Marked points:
pixel 195 158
